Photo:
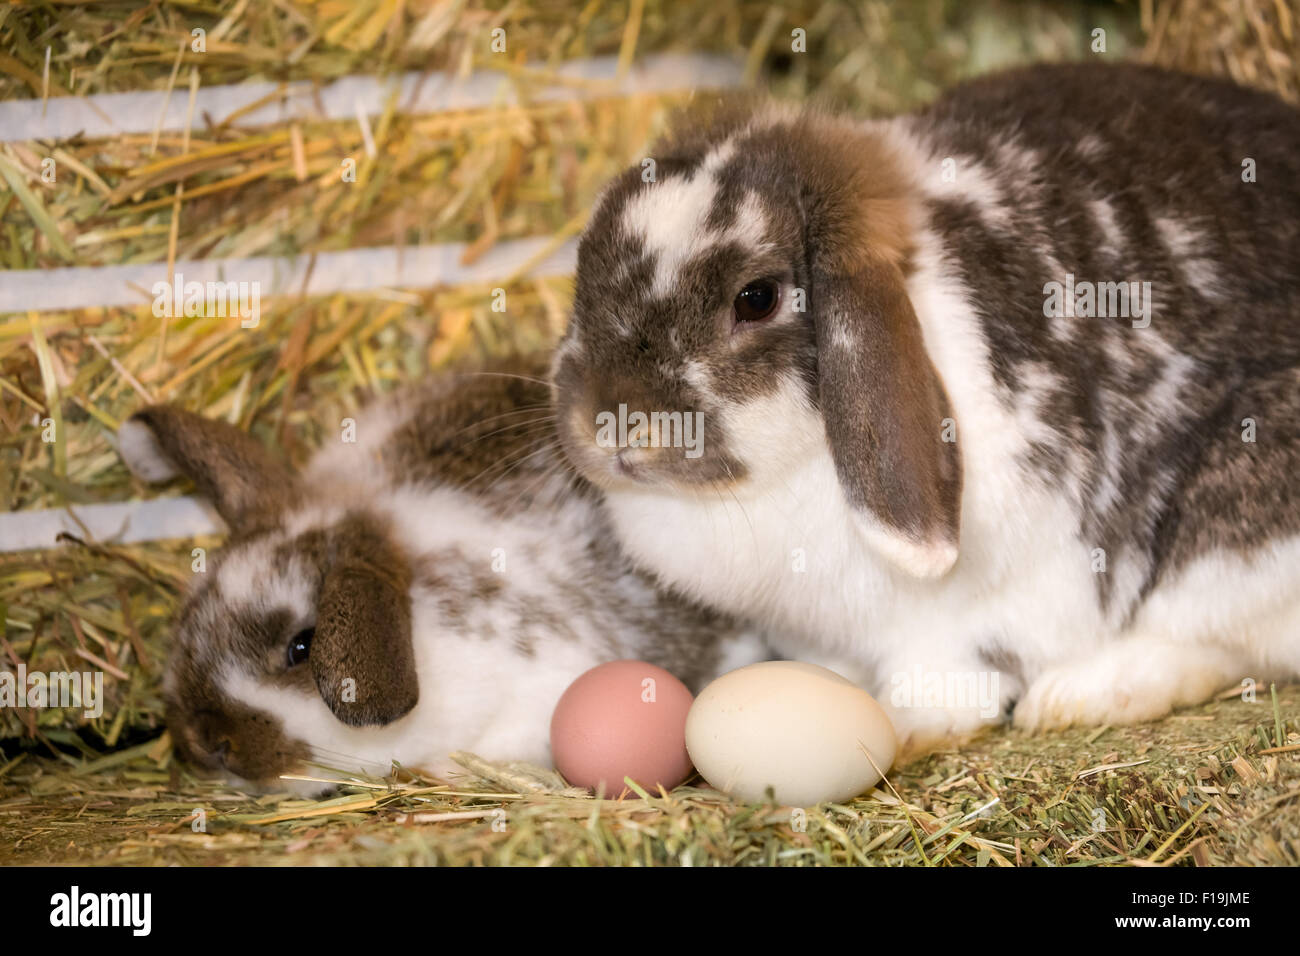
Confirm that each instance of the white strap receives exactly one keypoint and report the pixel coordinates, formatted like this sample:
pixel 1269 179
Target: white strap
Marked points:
pixel 113 114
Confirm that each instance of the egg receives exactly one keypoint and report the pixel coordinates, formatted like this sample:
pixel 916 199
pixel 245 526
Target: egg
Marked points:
pixel 622 719
pixel 797 728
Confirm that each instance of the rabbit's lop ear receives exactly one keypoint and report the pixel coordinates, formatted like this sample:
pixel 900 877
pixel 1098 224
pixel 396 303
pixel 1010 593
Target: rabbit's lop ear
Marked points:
pixel 228 466
pixel 885 410
pixel 361 655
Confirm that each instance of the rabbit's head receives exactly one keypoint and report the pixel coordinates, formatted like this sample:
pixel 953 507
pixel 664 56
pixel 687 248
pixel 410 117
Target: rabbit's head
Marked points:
pixel 306 611
pixel 750 281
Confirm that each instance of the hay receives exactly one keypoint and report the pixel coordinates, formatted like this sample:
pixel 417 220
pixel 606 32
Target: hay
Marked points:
pixel 1255 42
pixel 1213 785
pixel 108 789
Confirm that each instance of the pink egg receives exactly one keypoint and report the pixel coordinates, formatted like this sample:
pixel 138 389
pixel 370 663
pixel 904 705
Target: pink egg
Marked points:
pixel 622 719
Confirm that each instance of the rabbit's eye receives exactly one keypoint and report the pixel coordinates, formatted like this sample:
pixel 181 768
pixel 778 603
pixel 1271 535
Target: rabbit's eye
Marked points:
pixel 300 646
pixel 757 301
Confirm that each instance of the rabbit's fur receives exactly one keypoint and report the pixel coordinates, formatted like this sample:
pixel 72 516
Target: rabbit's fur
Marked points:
pixel 919 474
pixel 457 574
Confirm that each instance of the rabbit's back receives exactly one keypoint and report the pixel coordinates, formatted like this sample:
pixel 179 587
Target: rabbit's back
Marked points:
pixel 1174 419
pixel 1119 172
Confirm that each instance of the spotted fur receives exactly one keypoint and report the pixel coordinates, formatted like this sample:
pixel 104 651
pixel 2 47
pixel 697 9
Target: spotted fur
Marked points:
pixel 458 576
pixel 1098 533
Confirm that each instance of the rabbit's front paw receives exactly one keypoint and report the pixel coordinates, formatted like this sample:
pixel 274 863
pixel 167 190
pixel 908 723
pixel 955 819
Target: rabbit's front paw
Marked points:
pixel 1125 683
pixel 1071 695
pixel 923 730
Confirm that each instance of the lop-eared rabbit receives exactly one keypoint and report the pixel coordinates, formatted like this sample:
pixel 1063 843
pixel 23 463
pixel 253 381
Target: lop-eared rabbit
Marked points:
pixel 432 585
pixel 1001 396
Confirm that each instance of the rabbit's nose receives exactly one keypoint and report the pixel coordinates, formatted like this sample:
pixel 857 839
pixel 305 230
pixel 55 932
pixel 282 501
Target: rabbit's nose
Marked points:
pixel 216 752
pixel 213 740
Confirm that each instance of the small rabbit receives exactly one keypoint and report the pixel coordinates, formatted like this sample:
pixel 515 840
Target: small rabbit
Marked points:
pixel 997 404
pixel 433 585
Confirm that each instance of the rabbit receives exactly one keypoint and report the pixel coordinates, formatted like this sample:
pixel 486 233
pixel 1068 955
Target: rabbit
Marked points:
pixel 432 585
pixel 998 402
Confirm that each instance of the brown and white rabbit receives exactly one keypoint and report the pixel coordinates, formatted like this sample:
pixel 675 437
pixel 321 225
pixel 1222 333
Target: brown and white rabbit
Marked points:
pixel 917 459
pixel 433 585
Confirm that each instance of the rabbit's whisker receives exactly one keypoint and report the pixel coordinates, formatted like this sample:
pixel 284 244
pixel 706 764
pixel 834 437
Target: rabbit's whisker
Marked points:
pixel 522 378
pixel 512 425
pixel 521 410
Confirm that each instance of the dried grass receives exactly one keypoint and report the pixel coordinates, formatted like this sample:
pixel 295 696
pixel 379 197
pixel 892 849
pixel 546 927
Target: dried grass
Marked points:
pixel 1255 42
pixel 108 790
pixel 1210 786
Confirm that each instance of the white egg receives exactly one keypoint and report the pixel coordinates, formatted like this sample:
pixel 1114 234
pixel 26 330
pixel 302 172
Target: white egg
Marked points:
pixel 797 728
